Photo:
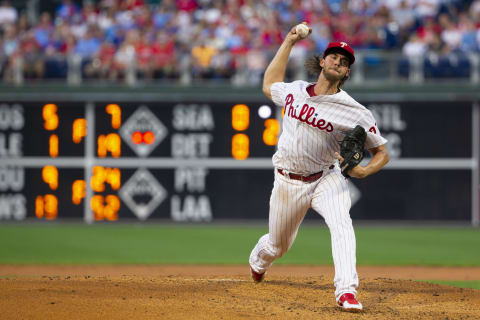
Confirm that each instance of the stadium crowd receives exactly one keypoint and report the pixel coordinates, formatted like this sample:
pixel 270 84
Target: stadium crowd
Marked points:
pixel 207 39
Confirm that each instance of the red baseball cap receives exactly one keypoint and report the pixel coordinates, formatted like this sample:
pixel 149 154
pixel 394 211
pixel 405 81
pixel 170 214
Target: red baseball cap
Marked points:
pixel 342 47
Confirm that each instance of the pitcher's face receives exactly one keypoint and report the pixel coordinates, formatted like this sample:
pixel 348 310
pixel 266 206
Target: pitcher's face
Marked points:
pixel 335 66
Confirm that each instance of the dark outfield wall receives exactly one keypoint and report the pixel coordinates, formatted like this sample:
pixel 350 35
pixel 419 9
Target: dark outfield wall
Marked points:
pixel 189 174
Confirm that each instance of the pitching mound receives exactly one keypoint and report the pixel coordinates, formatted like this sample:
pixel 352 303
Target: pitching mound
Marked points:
pixel 130 292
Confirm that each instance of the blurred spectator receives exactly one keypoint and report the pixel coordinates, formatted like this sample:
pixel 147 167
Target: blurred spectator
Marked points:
pixel 125 18
pixel 43 30
pixel 68 45
pixel 469 34
pixel 230 39
pixel 88 45
pixel 10 42
pixel 426 8
pixel 143 19
pixel 10 53
pixel 429 31
pixel 106 19
pixel 89 14
pixel 8 14
pixel 144 54
pixel 475 11
pixel 186 5
pixel 451 34
pixel 202 55
pixel 437 47
pixel 414 47
pixel 402 15
pixel 78 26
pixel 102 62
pixel 256 63
pixel 125 56
pixel 164 63
pixel 23 25
pixel 271 34
pixel 221 65
pixel 33 57
pixel 67 9
pixel 335 6
pixel 163 15
pixel 132 5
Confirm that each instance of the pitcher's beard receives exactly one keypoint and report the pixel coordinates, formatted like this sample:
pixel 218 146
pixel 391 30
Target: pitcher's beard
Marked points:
pixel 332 77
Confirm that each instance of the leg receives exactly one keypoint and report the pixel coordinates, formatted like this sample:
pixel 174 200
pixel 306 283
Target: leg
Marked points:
pixel 289 202
pixel 332 201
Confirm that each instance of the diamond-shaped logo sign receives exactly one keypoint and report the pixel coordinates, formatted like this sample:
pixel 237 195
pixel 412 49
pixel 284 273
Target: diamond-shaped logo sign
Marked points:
pixel 140 124
pixel 142 193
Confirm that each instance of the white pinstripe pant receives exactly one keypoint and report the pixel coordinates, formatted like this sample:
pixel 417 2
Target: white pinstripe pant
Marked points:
pixel 289 202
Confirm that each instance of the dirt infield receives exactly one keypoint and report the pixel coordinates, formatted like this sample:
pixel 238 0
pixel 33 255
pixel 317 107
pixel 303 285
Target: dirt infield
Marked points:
pixel 227 292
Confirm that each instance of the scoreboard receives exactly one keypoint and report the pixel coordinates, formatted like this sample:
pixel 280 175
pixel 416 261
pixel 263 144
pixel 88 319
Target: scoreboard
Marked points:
pixel 113 160
pixel 105 161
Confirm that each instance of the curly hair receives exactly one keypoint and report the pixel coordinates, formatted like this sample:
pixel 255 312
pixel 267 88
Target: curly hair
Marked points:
pixel 312 65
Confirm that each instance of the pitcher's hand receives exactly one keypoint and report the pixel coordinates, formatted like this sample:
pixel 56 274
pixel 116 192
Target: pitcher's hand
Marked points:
pixel 293 37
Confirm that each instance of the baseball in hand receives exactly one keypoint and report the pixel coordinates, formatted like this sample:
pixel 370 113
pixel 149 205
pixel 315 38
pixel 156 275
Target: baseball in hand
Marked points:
pixel 302 30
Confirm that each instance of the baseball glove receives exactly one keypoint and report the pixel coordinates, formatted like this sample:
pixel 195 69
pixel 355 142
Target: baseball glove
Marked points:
pixel 351 149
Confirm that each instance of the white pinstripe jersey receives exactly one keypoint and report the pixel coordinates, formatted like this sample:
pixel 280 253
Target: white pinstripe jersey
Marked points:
pixel 314 126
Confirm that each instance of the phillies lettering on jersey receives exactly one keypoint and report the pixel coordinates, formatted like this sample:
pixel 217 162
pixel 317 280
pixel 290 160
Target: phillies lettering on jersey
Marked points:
pixel 313 127
pixel 305 113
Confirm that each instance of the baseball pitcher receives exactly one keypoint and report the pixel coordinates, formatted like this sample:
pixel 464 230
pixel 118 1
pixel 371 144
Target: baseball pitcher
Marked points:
pixel 324 134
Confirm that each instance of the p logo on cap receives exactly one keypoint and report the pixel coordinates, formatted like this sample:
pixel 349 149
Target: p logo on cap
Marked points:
pixel 342 47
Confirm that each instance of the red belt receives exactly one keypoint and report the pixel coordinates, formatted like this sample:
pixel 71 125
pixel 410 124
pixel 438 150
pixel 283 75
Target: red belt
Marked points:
pixel 310 178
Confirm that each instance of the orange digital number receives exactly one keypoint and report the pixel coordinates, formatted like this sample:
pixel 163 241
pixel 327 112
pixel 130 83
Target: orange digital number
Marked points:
pixel 116 112
pixel 113 177
pixel 53 146
pixel 97 182
pixel 78 191
pixel 102 175
pixel 50 176
pixel 109 143
pixel 79 130
pixel 240 146
pixel 105 207
pixel 270 134
pixel 240 117
pixel 110 211
pixel 49 113
pixel 96 204
pixel 46 206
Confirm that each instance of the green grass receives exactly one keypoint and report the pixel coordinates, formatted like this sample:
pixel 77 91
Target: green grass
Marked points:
pixel 419 246
pixel 219 244
pixel 462 284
